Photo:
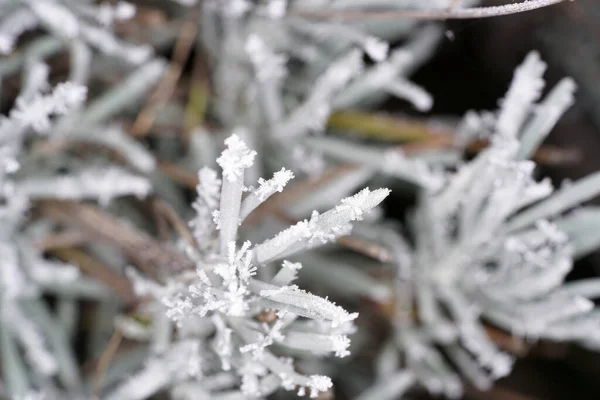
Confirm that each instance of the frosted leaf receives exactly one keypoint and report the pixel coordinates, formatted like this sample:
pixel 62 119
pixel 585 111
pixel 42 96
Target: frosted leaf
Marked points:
pixel 321 227
pixel 276 8
pixel 235 158
pixel 308 304
pixel 205 206
pixel 36 348
pixel 56 16
pixel 222 343
pixel 293 266
pixel 275 184
pixel 340 345
pixel 318 384
pixel 12 279
pixel 67 97
pixel 102 184
pixel 266 189
pixel 524 90
pixel 216 217
pixel 36 112
pixel 359 203
pixel 54 272
pixel 546 116
pixel 124 10
pixel 376 48
pixel 273 334
pixel 267 64
pixel 14 25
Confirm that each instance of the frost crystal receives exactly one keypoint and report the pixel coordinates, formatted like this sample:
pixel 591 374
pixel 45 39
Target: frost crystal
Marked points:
pixel 275 184
pixel 235 158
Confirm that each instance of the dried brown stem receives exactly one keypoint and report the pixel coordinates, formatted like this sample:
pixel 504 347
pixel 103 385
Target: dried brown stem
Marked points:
pixel 365 247
pixel 99 271
pixel 104 362
pixel 545 155
pixel 178 174
pixel 66 238
pixel 176 223
pixel 151 256
pixel 166 86
pixel 512 344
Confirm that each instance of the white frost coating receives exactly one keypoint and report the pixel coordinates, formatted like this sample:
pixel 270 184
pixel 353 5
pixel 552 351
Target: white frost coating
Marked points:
pixel 376 49
pixel 205 206
pixel 546 116
pixel 449 13
pixel 108 13
pixel 102 184
pixel 304 303
pixel 56 17
pixel 36 113
pixel 275 184
pixel 265 190
pixel 267 64
pixel 321 227
pixel 525 89
pixel 235 158
pixel 415 94
pixel 34 343
pixel 14 25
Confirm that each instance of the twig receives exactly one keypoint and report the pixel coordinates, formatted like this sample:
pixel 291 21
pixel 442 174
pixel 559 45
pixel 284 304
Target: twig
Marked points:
pixel 150 255
pixel 198 95
pixel 370 249
pixel 99 271
pixel 439 14
pixel 507 342
pixel 420 136
pixel 166 86
pixel 176 223
pixel 178 174
pixel 66 238
pixel 384 127
pixel 105 360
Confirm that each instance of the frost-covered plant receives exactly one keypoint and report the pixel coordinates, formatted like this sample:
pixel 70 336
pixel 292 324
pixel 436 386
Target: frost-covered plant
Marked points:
pixel 83 21
pixel 37 356
pixel 218 308
pixel 281 76
pixel 27 323
pixel 239 326
pixel 489 246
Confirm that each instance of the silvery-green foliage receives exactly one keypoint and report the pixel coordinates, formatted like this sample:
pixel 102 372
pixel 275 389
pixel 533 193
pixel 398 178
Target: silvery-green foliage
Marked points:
pixel 49 364
pixel 278 77
pixel 215 308
pixel 492 244
pixel 38 357
pixel 82 21
pixel 281 76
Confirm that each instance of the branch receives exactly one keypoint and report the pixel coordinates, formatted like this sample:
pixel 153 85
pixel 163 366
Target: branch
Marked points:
pixel 449 13
pixel 149 254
